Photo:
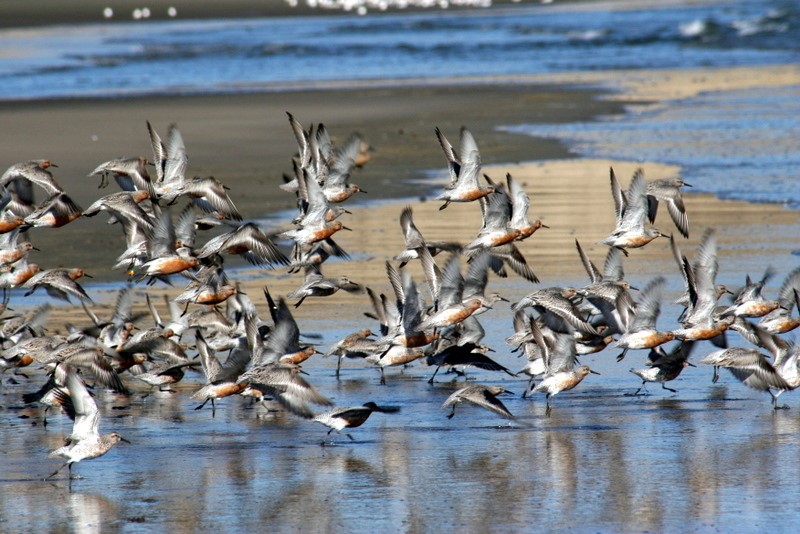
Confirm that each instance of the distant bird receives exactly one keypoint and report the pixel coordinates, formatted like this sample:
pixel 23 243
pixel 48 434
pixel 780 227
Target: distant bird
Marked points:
pixel 85 442
pixel 483 396
pixel 351 417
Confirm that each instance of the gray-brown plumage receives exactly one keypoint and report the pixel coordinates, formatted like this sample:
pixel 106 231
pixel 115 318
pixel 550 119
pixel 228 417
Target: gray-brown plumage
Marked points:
pixel 479 395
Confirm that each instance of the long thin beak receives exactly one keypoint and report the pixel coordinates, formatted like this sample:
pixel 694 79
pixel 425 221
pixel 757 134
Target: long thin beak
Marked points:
pixel 346 228
pixel 634 288
pixel 594 372
pixel 687 185
pixel 87 275
pixel 361 191
pixel 125 440
pixel 545 226
pixel 53 165
pixel 690 364
pixel 506 392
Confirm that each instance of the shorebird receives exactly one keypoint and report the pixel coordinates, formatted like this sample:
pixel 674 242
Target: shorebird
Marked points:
pixel 664 367
pixel 751 368
pixel 749 300
pixel 59 283
pixel 55 212
pixel 351 417
pixel 702 320
pixel 413 240
pixel 355 345
pixel 85 442
pixel 631 211
pixel 35 172
pixel 562 381
pixel 608 292
pixel 780 320
pixel 668 190
pixel 465 169
pixel 284 384
pixel 642 333
pixel 209 194
pixel 520 203
pixel 249 241
pixel 124 207
pixel 556 301
pixel 464 355
pixel 130 174
pixel 221 378
pixel 12 248
pixel 316 285
pixel 479 395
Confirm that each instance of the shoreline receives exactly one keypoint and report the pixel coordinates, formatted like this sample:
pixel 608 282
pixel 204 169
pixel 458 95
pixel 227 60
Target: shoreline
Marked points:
pixel 249 151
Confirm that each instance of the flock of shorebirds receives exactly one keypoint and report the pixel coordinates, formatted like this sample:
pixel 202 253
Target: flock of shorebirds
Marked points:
pixel 241 353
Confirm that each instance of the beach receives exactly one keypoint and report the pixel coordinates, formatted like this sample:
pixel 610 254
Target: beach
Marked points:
pixel 245 141
pixel 603 461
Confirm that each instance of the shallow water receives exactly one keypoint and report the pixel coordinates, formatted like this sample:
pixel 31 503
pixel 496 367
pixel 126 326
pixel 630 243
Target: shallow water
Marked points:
pixel 742 145
pixel 709 456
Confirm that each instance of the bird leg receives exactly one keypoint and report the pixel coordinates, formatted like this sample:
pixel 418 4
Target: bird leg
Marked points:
pixel 383 377
pixel 451 414
pixel 351 437
pixel 528 389
pixel 549 408
pixel 434 375
pixel 636 393
pixel 664 386
pixel 54 473
pixel 716 375
pixel 338 366
pixel 621 356
pixel 775 402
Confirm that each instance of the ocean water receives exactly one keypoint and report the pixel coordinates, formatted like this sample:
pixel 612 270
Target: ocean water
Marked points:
pixel 742 145
pixel 710 457
pixel 189 56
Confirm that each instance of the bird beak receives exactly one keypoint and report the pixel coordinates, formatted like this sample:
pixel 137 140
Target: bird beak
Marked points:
pixel 87 275
pixel 634 288
pixel 506 392
pixel 545 226
pixel 36 249
pixel 53 165
pixel 361 191
pixel 594 372
pixel 690 364
pixel 686 185
pixel 346 228
pixel 125 440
